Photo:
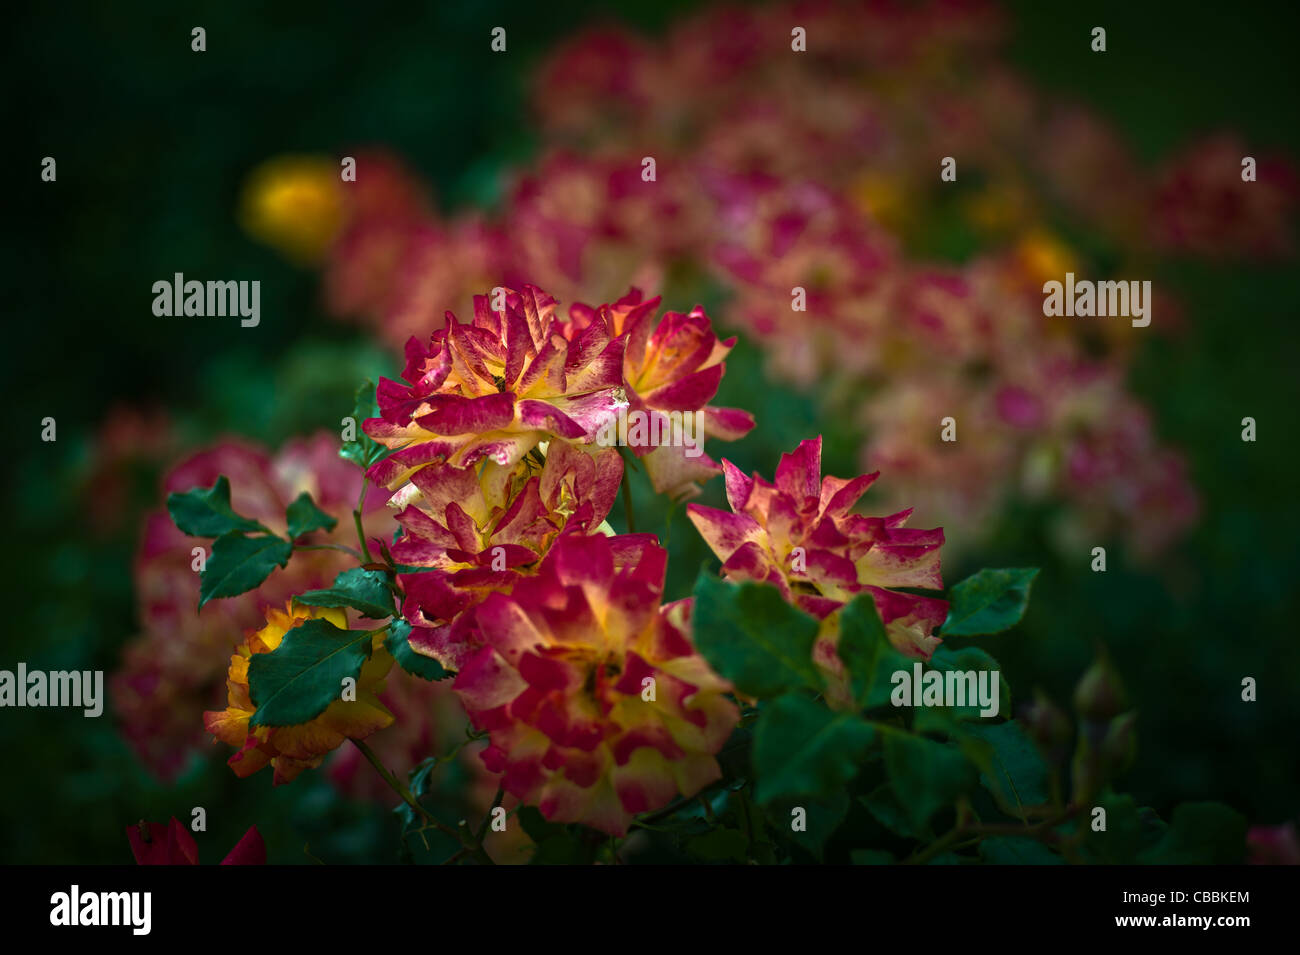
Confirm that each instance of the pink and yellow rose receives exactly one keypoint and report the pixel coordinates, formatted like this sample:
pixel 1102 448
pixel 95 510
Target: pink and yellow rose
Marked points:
pixel 595 701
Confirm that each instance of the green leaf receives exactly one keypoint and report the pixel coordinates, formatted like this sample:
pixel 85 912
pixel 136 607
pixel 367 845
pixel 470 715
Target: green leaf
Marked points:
pixel 886 810
pixel 304 517
pixel 821 816
pixel 240 563
pixel 536 826
pixel 303 675
pixel 803 749
pixel 1200 833
pixel 751 636
pixel 926 776
pixel 417 664
pixel 417 781
pixel 989 602
pixel 1015 774
pixel 207 513
pixel 419 777
pixel 1017 850
pixel 867 653
pixel 363 450
pixel 973 660
pixel 1121 841
pixel 556 844
pixel 420 841
pixel 360 589
pixel 938 721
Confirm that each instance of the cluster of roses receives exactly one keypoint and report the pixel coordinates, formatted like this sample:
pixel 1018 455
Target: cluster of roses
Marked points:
pixel 818 171
pixel 594 701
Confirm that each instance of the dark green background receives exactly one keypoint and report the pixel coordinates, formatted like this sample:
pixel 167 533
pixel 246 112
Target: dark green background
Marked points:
pixel 153 142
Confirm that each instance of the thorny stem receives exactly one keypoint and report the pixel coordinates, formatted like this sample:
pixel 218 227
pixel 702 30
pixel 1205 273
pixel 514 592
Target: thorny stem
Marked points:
pixel 469 738
pixel 646 822
pixel 399 787
pixel 948 839
pixel 962 833
pixel 703 794
pixel 356 519
pixel 469 845
pixel 347 550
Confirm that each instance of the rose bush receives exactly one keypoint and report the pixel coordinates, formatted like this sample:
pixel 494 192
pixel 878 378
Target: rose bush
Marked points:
pixel 768 717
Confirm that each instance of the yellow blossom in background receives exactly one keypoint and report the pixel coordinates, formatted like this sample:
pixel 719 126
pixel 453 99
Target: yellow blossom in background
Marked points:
pixel 295 204
pixel 1044 257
